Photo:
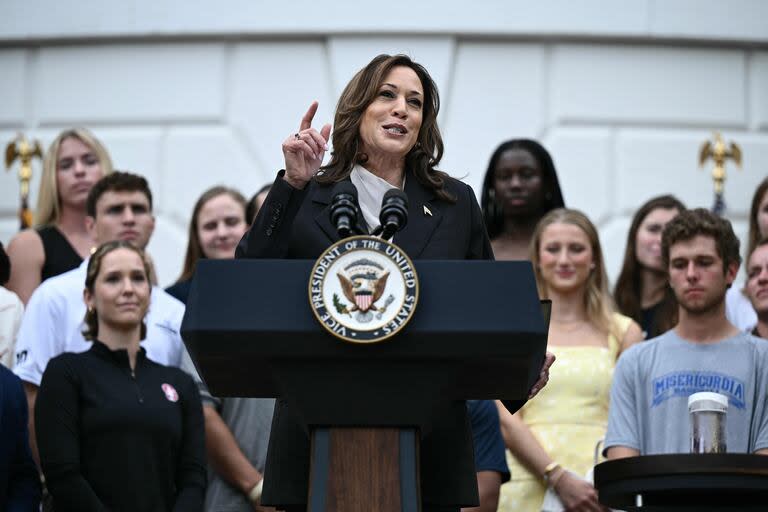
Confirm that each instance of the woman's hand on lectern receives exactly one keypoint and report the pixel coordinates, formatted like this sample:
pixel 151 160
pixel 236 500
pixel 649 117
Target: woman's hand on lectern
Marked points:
pixel 543 376
pixel 304 150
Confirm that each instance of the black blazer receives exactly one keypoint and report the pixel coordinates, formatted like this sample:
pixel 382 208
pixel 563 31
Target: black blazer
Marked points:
pixel 296 224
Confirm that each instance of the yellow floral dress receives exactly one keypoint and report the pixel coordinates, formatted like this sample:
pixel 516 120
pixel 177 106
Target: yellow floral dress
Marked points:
pixel 568 417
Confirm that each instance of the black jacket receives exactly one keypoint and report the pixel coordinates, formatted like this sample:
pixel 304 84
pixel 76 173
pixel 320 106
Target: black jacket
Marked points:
pixel 296 224
pixel 110 440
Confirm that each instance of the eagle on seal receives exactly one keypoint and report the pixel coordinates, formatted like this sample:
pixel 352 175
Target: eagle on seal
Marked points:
pixel 362 297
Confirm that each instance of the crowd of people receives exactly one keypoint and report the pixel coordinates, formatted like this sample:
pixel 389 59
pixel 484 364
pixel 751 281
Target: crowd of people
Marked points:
pixel 104 408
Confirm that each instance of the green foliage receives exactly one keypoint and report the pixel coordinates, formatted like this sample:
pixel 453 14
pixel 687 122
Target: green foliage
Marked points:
pixel 340 307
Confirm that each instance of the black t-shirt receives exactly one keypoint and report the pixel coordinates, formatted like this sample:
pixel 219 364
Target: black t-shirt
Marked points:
pixel 117 440
pixel 648 318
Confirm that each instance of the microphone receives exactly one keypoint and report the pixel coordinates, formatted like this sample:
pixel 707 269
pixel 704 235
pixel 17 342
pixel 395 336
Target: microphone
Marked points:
pixel 394 212
pixel 344 208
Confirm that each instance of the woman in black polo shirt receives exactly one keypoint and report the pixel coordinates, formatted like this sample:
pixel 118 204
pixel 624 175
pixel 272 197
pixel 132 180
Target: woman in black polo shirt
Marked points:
pixel 115 430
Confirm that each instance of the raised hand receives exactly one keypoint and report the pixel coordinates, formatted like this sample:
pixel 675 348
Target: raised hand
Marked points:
pixel 304 150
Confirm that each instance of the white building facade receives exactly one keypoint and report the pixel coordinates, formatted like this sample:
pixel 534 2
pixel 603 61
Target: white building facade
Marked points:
pixel 194 94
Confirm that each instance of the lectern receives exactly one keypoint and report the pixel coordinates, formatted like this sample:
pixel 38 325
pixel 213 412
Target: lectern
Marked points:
pixel 686 482
pixel 478 333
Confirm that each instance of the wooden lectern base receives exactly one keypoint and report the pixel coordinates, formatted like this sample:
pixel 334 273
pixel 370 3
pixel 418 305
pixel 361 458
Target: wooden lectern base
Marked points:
pixel 372 469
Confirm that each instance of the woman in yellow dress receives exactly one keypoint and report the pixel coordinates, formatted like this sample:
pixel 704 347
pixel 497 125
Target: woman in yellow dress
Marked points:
pixel 553 436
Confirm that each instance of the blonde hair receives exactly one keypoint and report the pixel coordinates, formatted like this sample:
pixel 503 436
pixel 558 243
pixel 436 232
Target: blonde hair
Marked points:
pixel 48 203
pixel 597 298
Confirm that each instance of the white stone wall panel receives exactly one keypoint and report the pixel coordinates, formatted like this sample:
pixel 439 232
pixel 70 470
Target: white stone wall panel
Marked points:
pixel 271 85
pixel 759 90
pixel 13 86
pixel 741 183
pixel 167 248
pixel 9 181
pixel 497 94
pixel 348 54
pixel 582 158
pixel 88 18
pixel 613 240
pixel 130 83
pixel 657 162
pixel 624 84
pixel 622 113
pixel 682 19
pixel 651 163
pixel 9 226
pixel 197 158
pixel 734 19
pixel 137 150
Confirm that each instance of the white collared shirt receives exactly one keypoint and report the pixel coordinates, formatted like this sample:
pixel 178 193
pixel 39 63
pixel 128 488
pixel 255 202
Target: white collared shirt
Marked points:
pixel 54 320
pixel 11 310
pixel 370 192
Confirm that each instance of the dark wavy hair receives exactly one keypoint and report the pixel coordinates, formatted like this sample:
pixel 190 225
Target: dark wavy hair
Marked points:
pixel 553 196
pixel 754 230
pixel 359 93
pixel 117 181
pixel 250 209
pixel 194 248
pixel 91 331
pixel 700 221
pixel 628 290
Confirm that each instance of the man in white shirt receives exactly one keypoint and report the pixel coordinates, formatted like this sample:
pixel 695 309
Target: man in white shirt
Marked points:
pixel 119 207
pixel 11 309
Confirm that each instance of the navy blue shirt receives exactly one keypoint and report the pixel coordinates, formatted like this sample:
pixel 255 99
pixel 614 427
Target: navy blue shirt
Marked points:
pixel 19 481
pixel 488 443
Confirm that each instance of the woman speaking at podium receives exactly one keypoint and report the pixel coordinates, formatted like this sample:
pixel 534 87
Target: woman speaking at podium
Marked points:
pixel 385 136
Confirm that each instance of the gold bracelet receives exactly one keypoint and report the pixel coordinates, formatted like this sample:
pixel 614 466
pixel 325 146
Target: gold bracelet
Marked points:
pixel 553 483
pixel 548 470
pixel 255 494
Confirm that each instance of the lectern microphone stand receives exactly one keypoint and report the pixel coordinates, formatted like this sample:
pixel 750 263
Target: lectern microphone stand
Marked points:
pixel 478 333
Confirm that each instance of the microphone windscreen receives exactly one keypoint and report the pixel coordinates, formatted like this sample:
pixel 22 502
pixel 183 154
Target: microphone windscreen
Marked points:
pixel 344 187
pixel 395 192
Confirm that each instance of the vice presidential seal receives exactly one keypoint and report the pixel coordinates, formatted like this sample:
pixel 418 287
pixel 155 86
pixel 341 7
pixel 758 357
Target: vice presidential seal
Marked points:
pixel 363 289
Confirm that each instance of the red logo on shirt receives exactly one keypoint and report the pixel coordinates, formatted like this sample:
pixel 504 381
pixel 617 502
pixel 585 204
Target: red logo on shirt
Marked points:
pixel 170 393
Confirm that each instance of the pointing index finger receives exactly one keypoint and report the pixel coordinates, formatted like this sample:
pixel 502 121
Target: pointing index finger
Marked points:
pixel 306 121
